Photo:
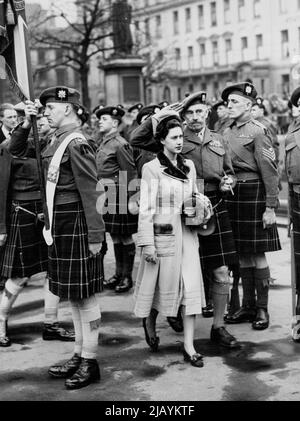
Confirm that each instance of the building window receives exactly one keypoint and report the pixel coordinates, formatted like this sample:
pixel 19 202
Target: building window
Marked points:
pixel 188 19
pixel 179 93
pixel 227 11
pixel 257 8
pixel 259 46
pixel 213 13
pixel 41 56
pixel 201 16
pixel 285 44
pixel 244 42
pixel 175 23
pixel 202 53
pixel 178 58
pixel 285 84
pixel 61 77
pixel 242 11
pixel 228 48
pixel 215 53
pixel 147 30
pixel 149 95
pixel 158 26
pixel 190 57
pixel 131 89
pixel 282 6
pixel 167 94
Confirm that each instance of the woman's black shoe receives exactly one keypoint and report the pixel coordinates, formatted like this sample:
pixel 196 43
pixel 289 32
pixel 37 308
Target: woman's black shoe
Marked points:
pixel 112 282
pixel 208 311
pixel 87 373
pixel 195 360
pixel 152 342
pixel 125 285
pixel 262 320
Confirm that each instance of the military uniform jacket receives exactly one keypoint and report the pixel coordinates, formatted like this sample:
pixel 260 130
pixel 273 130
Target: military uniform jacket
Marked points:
pixel 292 154
pixel 210 156
pixel 77 178
pixel 114 155
pixel 252 152
pixel 273 133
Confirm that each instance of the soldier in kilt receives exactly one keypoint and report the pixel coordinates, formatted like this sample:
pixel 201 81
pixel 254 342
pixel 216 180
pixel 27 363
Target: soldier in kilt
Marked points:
pixel 252 208
pixel 292 168
pixel 116 168
pixel 76 230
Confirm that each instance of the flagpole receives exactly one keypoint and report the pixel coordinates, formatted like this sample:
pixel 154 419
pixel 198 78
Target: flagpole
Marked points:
pixel 35 128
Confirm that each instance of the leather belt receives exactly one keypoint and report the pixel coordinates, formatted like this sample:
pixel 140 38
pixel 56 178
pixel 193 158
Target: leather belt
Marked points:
pixel 245 176
pixel 66 197
pixel 26 195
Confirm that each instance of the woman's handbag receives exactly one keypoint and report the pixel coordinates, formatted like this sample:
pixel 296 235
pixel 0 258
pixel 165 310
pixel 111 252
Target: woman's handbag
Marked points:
pixel 194 216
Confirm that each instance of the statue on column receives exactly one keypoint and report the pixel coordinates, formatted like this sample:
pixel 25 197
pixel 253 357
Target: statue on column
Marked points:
pixel 121 19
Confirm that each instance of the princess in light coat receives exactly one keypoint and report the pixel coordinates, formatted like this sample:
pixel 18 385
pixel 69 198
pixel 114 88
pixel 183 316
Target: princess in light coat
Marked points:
pixel 169 274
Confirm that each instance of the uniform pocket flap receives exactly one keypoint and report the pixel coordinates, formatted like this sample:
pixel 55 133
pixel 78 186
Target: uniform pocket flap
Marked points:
pixel 218 151
pixel 247 141
pixel 290 146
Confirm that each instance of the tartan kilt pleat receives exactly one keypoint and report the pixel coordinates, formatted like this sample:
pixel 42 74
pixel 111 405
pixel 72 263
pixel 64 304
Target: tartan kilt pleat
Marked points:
pixel 218 249
pixel 73 272
pixel 25 252
pixel 118 220
pixel 246 209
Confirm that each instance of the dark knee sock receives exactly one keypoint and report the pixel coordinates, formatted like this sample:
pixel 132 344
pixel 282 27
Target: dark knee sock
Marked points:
pixel 128 259
pixel 248 283
pixel 119 250
pixel 262 282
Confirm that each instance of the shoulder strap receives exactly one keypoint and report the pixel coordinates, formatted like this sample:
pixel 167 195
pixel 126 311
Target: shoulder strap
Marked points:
pixel 52 180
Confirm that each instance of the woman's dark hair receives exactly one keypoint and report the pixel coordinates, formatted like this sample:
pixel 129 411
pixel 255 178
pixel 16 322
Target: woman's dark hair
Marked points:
pixel 81 112
pixel 165 126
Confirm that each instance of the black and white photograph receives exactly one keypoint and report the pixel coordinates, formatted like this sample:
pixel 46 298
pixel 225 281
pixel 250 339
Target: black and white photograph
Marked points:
pixel 150 203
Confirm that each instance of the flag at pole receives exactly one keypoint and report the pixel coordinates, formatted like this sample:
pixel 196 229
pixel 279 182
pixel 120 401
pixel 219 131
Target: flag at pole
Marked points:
pixel 14 48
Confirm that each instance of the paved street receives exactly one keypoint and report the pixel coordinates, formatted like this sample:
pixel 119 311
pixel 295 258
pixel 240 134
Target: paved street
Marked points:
pixel 265 368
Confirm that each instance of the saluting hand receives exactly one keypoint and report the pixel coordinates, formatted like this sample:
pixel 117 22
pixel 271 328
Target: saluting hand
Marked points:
pixel 3 238
pixel 95 248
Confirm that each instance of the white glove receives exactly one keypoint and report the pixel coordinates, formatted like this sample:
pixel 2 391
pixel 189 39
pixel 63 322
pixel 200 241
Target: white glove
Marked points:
pixel 150 255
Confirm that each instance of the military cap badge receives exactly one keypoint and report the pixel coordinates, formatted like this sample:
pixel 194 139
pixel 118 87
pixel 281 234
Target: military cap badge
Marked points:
pixel 259 101
pixel 114 112
pixel 248 89
pixel 61 94
pixel 203 97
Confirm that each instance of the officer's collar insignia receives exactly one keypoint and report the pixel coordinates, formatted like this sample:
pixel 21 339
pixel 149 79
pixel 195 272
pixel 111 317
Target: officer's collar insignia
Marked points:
pixel 115 112
pixel 203 98
pixel 61 94
pixel 248 90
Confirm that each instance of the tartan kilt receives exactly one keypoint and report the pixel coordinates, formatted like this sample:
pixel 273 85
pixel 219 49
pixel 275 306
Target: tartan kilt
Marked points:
pixel 246 209
pixel 295 205
pixel 218 249
pixel 25 252
pixel 118 220
pixel 73 272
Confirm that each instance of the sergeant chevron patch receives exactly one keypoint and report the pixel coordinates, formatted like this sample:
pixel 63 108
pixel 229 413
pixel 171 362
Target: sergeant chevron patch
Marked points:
pixel 269 153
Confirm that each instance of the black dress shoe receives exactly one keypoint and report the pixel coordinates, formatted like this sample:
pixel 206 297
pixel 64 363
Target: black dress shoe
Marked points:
pixel 176 323
pixel 125 285
pixel 195 360
pixel 262 320
pixel 67 369
pixel 52 332
pixel 152 342
pixel 87 373
pixel 243 315
pixel 112 282
pixel 5 341
pixel 208 311
pixel 223 338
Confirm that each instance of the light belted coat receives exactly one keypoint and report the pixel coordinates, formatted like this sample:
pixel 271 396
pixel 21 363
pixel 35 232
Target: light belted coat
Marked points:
pixel 176 279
